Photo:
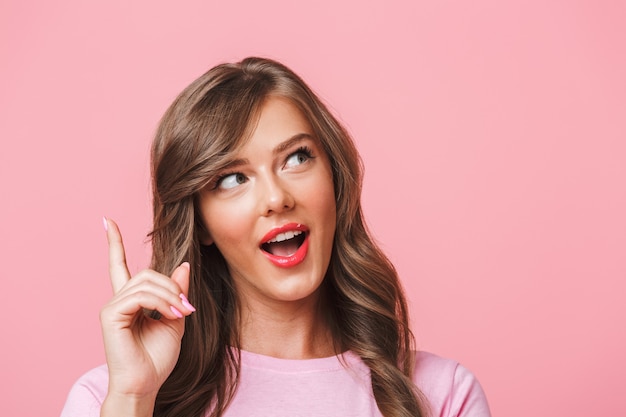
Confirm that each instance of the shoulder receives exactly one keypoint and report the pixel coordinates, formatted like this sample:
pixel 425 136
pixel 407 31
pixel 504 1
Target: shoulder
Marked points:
pixel 451 389
pixel 87 394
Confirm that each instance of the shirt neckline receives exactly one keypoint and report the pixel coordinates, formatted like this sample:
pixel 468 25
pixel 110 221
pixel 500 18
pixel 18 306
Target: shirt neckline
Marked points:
pixel 331 363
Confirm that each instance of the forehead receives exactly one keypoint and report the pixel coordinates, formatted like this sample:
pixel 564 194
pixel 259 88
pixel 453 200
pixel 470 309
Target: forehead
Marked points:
pixel 278 120
pixel 279 114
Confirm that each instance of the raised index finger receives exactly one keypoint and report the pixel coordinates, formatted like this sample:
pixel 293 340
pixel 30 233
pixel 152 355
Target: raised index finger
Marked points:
pixel 118 270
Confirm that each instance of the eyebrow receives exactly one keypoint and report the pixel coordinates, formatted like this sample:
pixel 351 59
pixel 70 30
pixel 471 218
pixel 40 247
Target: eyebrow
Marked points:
pixel 299 137
pixel 290 142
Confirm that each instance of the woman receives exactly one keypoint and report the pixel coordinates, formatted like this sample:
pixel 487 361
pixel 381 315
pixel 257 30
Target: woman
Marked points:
pixel 266 294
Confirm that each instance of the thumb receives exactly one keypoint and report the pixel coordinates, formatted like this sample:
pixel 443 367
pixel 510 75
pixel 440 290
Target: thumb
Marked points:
pixel 181 277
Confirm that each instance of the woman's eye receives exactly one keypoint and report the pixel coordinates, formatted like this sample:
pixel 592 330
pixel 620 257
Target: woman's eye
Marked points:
pixel 231 181
pixel 297 158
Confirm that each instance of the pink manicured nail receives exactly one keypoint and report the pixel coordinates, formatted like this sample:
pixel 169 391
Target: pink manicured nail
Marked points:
pixel 176 312
pixel 186 302
pixel 106 224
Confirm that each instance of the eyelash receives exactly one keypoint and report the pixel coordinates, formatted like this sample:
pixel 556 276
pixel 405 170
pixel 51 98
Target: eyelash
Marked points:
pixel 306 150
pixel 218 180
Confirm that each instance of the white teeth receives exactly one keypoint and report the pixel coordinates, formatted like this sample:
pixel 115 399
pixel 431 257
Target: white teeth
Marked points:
pixel 284 236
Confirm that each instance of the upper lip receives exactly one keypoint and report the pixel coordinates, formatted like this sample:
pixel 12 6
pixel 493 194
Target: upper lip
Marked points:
pixel 282 229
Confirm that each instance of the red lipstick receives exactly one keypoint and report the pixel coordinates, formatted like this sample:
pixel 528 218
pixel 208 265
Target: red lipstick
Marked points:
pixel 295 258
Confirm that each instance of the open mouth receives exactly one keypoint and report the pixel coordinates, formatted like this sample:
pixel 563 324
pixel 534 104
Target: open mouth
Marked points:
pixel 285 244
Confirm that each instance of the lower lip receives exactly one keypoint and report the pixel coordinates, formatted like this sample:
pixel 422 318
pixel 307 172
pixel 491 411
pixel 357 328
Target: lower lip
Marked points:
pixel 292 260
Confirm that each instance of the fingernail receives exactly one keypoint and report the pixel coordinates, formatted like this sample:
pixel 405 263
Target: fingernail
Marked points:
pixel 106 224
pixel 185 264
pixel 176 312
pixel 186 302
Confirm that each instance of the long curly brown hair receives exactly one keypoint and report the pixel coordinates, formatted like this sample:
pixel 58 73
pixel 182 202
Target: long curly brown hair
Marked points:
pixel 206 123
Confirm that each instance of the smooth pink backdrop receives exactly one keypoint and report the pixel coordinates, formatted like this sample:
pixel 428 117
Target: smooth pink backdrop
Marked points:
pixel 493 135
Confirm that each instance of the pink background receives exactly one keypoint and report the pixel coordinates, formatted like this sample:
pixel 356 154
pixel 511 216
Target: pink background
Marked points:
pixel 494 140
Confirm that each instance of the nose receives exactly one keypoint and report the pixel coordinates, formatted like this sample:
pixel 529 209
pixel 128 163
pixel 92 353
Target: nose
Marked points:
pixel 275 196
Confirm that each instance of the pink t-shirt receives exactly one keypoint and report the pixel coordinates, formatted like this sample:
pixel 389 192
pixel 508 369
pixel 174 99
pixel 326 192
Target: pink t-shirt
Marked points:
pixel 314 387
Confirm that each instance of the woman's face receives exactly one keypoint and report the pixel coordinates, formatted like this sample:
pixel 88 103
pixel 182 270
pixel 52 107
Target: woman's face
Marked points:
pixel 272 212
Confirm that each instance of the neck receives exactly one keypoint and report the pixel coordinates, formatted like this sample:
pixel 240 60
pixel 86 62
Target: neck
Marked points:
pixel 288 330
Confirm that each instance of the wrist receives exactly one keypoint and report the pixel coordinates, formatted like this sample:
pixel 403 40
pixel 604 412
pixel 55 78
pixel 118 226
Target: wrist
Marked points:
pixel 127 405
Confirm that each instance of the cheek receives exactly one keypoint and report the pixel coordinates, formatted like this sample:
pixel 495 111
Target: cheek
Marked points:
pixel 329 192
pixel 226 223
pixel 327 205
pixel 323 200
